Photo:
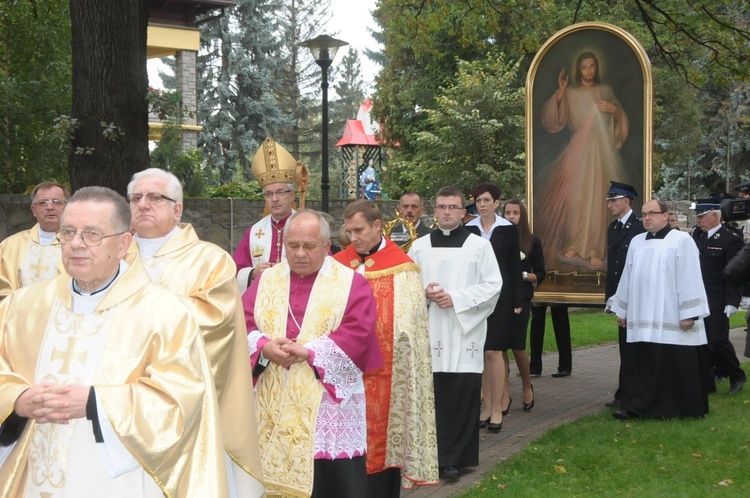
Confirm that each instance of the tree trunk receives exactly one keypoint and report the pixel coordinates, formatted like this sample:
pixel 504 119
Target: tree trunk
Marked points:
pixel 110 84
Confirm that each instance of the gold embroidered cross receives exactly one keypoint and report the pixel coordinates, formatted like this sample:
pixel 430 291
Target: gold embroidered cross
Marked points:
pixel 260 233
pixel 69 355
pixel 39 268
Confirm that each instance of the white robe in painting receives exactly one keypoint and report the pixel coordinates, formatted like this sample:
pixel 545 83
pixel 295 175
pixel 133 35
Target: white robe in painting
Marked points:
pixel 661 285
pixel 470 274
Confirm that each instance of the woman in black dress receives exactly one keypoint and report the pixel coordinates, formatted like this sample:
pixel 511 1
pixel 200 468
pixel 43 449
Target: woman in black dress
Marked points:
pixel 532 268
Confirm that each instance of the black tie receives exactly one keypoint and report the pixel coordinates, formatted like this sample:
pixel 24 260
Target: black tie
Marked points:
pixel 702 240
pixel 618 228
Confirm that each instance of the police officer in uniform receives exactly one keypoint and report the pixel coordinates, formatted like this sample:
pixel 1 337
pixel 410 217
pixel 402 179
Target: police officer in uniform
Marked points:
pixel 619 234
pixel 717 246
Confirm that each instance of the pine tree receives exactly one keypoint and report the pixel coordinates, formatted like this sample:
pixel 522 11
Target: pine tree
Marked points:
pixel 237 106
pixel 298 80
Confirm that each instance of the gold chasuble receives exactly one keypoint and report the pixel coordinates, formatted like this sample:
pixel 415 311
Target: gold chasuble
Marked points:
pixel 204 275
pixel 24 261
pixel 141 350
pixel 288 399
pixel 401 428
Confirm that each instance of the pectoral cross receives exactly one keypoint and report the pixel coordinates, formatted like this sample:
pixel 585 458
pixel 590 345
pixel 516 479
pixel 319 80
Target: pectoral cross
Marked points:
pixel 471 350
pixel 69 355
pixel 439 347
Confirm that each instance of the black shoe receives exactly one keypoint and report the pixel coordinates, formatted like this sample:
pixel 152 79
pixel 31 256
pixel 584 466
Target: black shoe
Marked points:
pixel 528 406
pixel 483 423
pixel 736 387
pixel 494 427
pixel 535 372
pixel 624 415
pixel 561 373
pixel 612 404
pixel 450 473
pixel 505 412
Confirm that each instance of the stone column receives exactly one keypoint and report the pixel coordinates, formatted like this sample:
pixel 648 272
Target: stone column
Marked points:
pixel 187 85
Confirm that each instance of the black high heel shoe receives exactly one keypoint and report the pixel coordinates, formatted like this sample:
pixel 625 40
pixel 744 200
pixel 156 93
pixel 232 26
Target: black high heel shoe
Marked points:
pixel 483 423
pixel 528 406
pixel 510 402
pixel 494 427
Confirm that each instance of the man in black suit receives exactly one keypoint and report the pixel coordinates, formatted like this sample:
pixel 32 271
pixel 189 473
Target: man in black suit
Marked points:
pixel 410 208
pixel 717 246
pixel 619 234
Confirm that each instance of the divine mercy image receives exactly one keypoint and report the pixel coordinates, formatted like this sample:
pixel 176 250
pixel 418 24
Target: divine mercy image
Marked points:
pixel 584 138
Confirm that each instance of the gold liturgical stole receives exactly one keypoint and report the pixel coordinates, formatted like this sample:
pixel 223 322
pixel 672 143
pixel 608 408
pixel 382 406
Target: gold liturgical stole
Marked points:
pixel 288 400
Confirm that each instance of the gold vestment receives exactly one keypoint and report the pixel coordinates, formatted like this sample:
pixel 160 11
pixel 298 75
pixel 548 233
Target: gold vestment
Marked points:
pixel 204 274
pixel 289 399
pixel 151 377
pixel 24 261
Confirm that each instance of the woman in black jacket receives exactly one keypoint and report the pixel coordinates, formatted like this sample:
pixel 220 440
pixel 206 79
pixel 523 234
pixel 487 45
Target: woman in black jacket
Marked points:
pixel 532 270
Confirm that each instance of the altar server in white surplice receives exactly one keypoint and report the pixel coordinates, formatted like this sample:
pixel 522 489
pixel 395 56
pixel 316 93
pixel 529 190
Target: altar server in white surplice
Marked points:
pixel 661 301
pixel 462 283
pixel 105 389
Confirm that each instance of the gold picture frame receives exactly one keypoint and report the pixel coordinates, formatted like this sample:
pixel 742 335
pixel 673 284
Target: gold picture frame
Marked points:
pixel 573 151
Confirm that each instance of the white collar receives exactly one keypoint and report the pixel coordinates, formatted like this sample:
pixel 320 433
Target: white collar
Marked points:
pixel 46 238
pixel 149 247
pixel 477 222
pixel 622 220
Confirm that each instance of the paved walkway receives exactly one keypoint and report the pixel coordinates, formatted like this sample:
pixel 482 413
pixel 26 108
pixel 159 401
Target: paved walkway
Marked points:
pixel 558 401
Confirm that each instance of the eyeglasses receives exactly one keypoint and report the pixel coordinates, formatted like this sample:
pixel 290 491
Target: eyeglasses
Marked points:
pixel 307 246
pixel 452 207
pixel 150 198
pixel 651 214
pixel 278 193
pixel 90 238
pixel 47 202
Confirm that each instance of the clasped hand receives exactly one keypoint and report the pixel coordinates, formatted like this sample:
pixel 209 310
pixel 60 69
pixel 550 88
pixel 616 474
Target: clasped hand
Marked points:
pixel 285 352
pixel 437 295
pixel 55 403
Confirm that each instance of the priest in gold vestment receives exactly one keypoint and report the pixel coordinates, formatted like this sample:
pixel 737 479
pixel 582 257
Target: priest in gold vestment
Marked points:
pixel 204 275
pixel 104 388
pixel 311 324
pixel 33 255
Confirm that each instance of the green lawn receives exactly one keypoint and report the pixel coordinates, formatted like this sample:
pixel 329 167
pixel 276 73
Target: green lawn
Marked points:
pixel 600 456
pixel 591 326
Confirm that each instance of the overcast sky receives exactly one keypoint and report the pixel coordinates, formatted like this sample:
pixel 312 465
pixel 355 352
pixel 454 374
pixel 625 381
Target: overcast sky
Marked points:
pixel 351 20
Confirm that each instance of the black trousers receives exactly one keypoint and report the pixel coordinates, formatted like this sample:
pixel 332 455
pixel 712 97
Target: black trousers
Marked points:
pixel 384 484
pixel 719 352
pixel 561 326
pixel 626 361
pixel 342 478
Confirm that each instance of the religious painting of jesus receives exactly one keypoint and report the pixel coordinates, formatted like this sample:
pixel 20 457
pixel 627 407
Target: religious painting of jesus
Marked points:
pixel 588 122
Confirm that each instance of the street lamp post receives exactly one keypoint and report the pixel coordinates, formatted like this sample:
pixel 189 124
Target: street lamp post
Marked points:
pixel 323 49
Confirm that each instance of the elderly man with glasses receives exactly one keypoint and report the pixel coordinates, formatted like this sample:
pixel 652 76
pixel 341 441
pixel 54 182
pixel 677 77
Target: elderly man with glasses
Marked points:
pixel 106 385
pixel 311 337
pixel 204 275
pixel 661 301
pixel 33 255
pixel 262 246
